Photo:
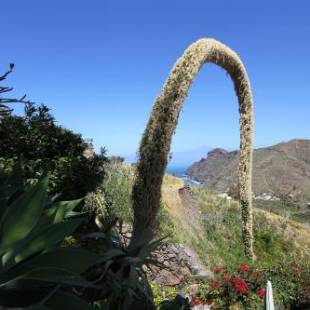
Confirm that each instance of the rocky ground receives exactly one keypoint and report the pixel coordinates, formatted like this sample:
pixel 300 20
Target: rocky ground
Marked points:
pixel 180 261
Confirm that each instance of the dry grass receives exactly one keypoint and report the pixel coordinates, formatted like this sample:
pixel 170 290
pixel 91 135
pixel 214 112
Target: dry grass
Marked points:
pixel 173 204
pixel 213 245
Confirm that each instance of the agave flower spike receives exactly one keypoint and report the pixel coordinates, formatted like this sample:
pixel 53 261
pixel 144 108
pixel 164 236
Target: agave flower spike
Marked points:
pixel 155 145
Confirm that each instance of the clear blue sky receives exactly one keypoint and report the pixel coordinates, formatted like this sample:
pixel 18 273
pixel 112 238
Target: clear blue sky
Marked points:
pixel 99 65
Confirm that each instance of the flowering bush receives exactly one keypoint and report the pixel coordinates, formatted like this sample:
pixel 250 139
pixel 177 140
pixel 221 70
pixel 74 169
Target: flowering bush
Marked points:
pixel 243 287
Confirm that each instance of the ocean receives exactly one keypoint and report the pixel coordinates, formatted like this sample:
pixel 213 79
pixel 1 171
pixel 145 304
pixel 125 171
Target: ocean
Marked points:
pixel 180 172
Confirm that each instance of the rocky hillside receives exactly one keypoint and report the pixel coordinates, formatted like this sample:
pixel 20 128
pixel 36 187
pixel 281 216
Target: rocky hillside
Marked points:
pixel 281 168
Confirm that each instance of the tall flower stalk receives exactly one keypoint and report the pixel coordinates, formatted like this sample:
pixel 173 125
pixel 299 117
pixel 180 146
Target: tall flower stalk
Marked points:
pixel 155 145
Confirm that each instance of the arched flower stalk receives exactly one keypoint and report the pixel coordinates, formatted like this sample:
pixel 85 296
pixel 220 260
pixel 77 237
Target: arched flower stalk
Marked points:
pixel 156 140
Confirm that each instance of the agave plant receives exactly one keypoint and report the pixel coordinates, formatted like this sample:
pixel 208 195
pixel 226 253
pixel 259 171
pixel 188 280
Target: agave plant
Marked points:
pixel 34 268
pixel 38 272
pixel 121 277
pixel 155 145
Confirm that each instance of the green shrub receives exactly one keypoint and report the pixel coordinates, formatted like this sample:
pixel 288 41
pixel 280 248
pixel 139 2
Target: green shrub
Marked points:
pixel 117 187
pixel 40 145
pixel 113 197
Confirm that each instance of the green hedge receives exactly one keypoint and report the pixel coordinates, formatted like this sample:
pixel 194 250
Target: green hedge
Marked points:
pixel 40 145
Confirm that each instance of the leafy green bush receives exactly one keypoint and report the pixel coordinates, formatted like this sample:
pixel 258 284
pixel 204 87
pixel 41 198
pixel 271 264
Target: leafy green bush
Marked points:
pixel 113 198
pixel 40 145
pixel 117 188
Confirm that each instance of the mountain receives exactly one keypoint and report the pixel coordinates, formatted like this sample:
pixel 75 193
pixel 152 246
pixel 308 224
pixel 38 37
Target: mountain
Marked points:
pixel 281 168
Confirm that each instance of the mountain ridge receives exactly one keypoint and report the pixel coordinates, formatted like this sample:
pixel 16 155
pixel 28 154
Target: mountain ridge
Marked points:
pixel 280 168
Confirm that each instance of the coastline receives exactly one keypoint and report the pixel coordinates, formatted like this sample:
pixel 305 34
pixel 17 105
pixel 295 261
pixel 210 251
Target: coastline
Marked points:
pixel 180 172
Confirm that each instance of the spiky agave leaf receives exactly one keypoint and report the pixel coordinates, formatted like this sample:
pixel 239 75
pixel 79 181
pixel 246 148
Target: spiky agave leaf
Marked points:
pixel 22 215
pixel 32 263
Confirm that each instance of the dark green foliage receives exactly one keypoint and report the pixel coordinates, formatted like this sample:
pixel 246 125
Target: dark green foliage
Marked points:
pixel 40 145
pixel 34 268
pixel 39 272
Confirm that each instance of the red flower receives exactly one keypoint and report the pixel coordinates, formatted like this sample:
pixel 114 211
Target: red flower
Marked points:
pixel 240 285
pixel 244 268
pixel 215 284
pixel 261 292
pixel 227 278
pixel 217 270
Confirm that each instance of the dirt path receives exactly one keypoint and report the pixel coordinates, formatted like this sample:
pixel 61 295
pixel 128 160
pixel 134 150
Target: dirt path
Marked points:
pixel 192 214
pixel 190 206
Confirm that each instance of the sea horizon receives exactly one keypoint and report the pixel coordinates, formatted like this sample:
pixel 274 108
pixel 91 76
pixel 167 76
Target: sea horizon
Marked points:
pixel 177 170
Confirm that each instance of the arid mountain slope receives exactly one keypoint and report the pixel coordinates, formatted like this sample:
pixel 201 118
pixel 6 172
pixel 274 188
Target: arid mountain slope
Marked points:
pixel 281 168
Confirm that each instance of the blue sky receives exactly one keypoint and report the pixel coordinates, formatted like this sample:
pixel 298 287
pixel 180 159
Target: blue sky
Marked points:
pixel 100 64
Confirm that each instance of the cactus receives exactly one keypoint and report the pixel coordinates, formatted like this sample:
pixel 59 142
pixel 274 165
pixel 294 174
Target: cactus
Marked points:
pixel 155 145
